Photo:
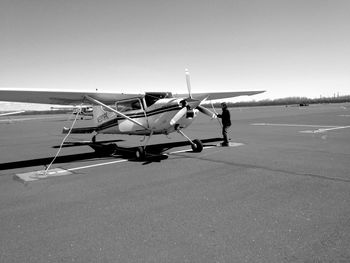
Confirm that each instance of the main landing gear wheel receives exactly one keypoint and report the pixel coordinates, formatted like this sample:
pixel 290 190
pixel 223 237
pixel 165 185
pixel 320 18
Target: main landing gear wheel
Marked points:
pixel 104 149
pixel 197 146
pixel 140 153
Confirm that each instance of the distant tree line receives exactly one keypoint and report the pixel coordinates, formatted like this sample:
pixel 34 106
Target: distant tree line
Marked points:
pixel 301 101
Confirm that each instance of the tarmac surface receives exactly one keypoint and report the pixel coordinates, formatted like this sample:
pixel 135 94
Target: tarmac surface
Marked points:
pixel 281 193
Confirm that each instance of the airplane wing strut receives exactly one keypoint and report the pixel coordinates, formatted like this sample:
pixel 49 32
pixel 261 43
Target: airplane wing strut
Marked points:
pixel 114 110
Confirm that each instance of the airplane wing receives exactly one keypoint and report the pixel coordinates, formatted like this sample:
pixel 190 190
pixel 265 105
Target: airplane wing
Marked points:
pixel 69 97
pixel 66 97
pixel 220 95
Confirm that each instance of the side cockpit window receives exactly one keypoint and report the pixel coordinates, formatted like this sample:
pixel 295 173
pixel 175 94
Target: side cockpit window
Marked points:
pixel 129 105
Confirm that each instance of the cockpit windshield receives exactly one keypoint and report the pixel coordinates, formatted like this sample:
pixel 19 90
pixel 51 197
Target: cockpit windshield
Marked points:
pixel 152 97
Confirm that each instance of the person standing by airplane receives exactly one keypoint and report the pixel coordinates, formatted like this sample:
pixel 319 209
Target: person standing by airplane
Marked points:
pixel 226 122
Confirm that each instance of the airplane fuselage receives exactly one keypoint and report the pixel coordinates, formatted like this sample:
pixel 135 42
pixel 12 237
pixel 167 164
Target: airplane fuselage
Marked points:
pixel 155 117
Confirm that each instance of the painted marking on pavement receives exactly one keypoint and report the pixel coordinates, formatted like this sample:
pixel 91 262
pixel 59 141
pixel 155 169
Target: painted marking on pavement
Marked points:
pixel 183 151
pixel 325 130
pixel 37 175
pixel 95 165
pixel 231 144
pixel 290 125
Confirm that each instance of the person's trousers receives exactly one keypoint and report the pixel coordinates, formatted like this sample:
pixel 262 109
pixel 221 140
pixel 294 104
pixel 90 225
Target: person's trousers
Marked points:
pixel 224 134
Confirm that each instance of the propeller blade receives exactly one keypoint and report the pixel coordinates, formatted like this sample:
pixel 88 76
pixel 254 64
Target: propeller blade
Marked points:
pixel 207 112
pixel 178 116
pixel 188 83
pixel 193 103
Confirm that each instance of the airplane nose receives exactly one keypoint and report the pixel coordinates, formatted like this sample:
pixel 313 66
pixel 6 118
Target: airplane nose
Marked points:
pixel 190 114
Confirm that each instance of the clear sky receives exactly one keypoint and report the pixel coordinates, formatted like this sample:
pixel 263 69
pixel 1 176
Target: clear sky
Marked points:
pixel 288 48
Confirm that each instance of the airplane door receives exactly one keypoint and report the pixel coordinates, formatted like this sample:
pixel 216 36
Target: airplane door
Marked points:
pixel 133 108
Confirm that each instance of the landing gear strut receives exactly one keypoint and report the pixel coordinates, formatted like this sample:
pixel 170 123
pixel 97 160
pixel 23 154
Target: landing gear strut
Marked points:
pixel 140 153
pixel 196 144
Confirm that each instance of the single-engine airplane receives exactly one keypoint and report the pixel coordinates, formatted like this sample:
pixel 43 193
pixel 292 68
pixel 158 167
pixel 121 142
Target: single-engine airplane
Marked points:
pixel 134 114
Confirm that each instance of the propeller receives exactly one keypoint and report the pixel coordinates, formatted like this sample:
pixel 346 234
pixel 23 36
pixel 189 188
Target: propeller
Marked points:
pixel 178 115
pixel 206 112
pixel 190 103
pixel 188 81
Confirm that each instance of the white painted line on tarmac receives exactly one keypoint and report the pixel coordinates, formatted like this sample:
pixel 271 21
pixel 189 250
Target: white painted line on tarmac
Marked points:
pixel 188 150
pixel 95 165
pixel 42 174
pixel 231 144
pixel 123 160
pixel 325 130
pixel 290 125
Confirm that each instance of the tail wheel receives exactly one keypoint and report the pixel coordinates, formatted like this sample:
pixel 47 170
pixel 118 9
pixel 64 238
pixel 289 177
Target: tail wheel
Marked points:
pixel 140 153
pixel 198 146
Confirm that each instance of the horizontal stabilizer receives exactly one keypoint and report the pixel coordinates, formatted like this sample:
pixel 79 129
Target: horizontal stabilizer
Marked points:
pixel 79 130
pixel 85 143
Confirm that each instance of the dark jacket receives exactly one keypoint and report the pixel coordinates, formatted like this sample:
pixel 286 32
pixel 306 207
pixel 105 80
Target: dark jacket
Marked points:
pixel 226 117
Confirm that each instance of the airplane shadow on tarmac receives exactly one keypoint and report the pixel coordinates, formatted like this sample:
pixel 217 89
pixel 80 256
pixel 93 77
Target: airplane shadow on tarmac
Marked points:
pixel 108 150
